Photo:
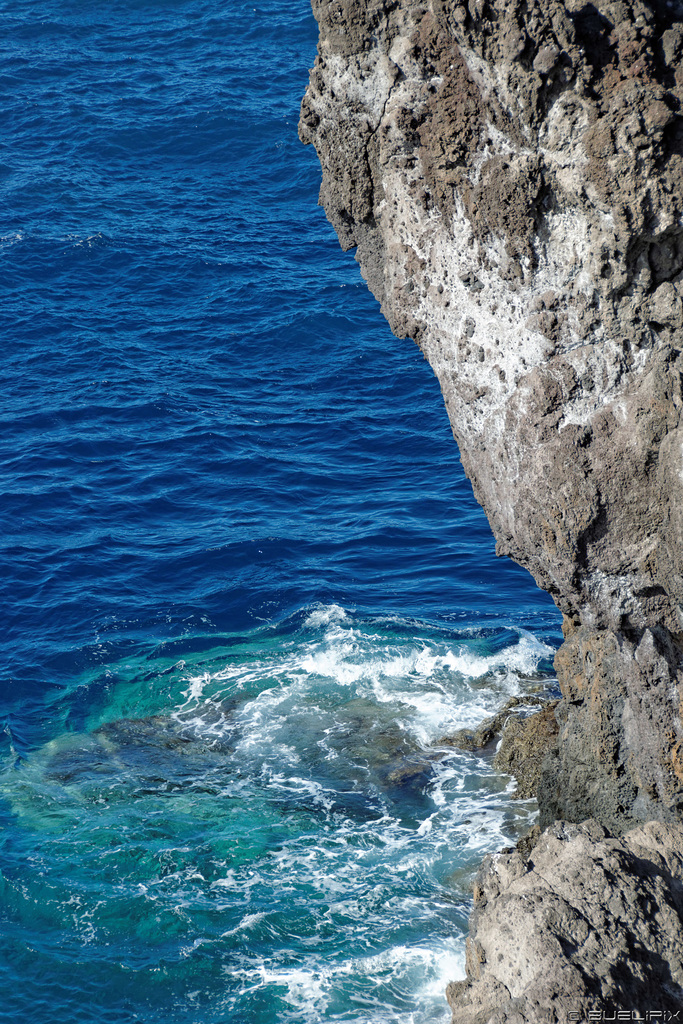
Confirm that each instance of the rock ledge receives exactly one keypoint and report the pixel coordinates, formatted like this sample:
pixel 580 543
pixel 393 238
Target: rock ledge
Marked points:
pixel 587 923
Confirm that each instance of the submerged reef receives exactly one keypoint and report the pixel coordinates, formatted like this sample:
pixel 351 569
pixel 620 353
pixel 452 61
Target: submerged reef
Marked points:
pixel 510 173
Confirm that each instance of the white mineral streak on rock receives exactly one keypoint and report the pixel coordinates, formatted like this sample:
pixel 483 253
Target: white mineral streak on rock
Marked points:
pixel 511 176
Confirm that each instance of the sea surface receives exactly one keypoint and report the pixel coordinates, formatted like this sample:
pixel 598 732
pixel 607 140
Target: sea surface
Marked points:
pixel 245 586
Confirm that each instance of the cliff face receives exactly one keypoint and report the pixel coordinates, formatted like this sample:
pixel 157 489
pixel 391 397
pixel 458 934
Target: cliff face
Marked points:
pixel 511 174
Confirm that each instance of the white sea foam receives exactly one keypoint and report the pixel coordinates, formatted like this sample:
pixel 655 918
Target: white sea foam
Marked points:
pixel 318 725
pixel 11 239
pixel 347 655
pixel 426 825
pixel 86 241
pixel 419 973
pixel 303 787
pixel 305 990
pixel 325 614
pixel 196 688
pixel 426 687
pixel 446 965
pixel 247 922
pixel 353 657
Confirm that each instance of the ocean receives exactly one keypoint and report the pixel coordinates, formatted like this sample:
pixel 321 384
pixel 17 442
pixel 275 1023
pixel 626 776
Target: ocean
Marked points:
pixel 246 588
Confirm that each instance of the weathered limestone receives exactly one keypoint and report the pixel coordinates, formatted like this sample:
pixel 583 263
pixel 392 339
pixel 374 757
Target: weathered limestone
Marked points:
pixel 587 923
pixel 512 177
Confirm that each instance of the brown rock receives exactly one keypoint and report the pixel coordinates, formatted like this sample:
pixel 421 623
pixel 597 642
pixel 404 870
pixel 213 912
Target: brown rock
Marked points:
pixel 488 730
pixel 523 748
pixel 482 157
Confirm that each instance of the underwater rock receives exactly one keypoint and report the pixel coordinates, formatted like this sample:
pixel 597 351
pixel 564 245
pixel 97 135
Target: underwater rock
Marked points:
pixel 417 770
pixel 166 751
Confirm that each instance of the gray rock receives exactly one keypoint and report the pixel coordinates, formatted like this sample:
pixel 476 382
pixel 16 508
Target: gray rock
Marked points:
pixel 511 175
pixel 586 923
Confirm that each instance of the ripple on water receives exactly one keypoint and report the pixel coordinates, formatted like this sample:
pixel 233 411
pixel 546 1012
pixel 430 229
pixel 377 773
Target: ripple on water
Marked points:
pixel 244 583
pixel 277 808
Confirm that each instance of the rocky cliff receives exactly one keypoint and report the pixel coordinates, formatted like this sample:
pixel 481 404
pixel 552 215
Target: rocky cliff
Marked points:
pixel 510 173
pixel 587 928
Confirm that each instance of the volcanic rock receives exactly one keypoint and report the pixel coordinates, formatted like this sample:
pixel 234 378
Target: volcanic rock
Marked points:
pixel 510 173
pixel 511 176
pixel 588 924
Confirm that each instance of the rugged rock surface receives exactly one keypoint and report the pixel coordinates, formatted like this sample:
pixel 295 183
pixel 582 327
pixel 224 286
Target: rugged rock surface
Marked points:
pixel 523 748
pixel 491 728
pixel 525 739
pixel 587 923
pixel 511 174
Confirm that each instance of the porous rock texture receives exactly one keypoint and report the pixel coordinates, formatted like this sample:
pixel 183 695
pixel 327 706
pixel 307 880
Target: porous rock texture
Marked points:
pixel 522 739
pixel 588 925
pixel 511 175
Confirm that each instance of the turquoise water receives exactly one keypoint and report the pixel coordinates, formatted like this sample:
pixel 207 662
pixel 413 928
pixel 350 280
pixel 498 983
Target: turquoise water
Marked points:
pixel 245 586
pixel 268 826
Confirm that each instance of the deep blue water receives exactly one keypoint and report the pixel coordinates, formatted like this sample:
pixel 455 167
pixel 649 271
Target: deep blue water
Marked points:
pixel 245 586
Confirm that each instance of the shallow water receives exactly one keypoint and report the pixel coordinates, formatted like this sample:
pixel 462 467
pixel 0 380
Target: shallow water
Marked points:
pixel 245 585
pixel 268 825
